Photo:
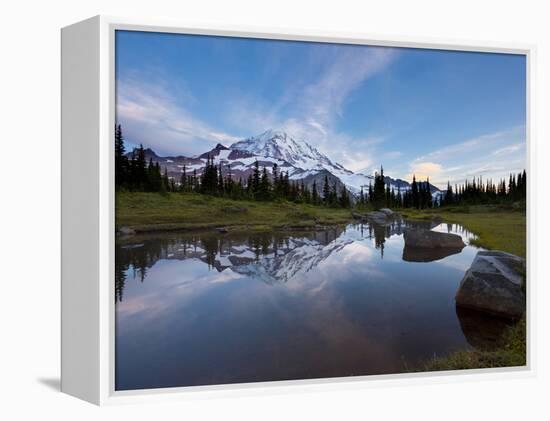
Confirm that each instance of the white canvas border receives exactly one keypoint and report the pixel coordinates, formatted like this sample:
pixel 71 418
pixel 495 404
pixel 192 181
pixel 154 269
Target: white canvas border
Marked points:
pixel 107 393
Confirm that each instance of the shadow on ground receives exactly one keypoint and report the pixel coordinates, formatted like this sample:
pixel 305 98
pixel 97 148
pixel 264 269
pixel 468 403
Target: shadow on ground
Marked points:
pixel 53 383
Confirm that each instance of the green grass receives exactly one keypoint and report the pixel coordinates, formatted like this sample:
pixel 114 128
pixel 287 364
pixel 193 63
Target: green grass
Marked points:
pixel 497 228
pixel 185 211
pixel 512 353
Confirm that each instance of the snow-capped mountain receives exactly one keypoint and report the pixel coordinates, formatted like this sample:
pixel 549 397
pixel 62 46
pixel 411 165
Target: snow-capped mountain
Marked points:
pixel 302 161
pixel 281 146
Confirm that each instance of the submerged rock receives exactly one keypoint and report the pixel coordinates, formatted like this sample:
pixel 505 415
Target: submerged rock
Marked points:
pixel 494 284
pixel 419 238
pixel 126 231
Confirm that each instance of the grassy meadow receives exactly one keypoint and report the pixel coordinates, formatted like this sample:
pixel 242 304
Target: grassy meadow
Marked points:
pixel 145 212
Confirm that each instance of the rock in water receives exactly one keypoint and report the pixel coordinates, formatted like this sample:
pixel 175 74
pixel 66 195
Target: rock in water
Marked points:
pixel 126 231
pixel 432 239
pixel 387 212
pixel 494 284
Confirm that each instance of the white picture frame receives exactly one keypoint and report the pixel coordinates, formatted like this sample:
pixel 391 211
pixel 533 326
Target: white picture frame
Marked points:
pixel 88 234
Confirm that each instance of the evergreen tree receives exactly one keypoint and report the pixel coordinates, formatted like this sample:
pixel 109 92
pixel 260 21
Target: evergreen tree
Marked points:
pixel 344 199
pixel 221 182
pixel 414 194
pixel 370 196
pixel 379 192
pixel 326 192
pixel 276 181
pixel 524 185
pixel 314 193
pixel 229 187
pixel 165 181
pixel 429 199
pixel 183 179
pixel 264 187
pixel 121 161
pixel 448 198
pixel 256 180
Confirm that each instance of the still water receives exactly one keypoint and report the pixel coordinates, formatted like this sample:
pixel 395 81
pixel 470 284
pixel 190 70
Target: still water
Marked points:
pixel 210 308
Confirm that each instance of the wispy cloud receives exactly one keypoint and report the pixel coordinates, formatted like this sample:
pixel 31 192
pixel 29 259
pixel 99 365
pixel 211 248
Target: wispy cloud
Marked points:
pixel 151 115
pixel 322 101
pixel 492 155
pixel 312 110
pixel 509 149
pixel 308 107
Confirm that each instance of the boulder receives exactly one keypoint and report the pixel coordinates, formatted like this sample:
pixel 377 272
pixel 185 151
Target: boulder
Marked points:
pixel 494 284
pixel 358 216
pixel 126 231
pixel 387 212
pixel 420 238
pixel 377 217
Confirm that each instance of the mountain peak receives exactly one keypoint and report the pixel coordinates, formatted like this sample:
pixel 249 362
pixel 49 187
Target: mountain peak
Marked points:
pixel 279 144
pixel 271 133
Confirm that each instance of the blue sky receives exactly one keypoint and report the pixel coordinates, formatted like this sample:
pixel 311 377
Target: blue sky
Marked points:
pixel 443 114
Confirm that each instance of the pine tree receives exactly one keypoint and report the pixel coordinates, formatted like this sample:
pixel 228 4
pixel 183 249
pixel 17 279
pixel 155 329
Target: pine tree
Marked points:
pixel 524 185
pixel 256 179
pixel 344 198
pixel 286 185
pixel 121 160
pixel 229 187
pixel 139 170
pixel 165 181
pixel 414 194
pixel 326 192
pixel 429 199
pixel 370 197
pixel 221 183
pixel 183 179
pixel 333 195
pixel 264 188
pixel 314 193
pixel 379 193
pixel 276 181
pixel 448 199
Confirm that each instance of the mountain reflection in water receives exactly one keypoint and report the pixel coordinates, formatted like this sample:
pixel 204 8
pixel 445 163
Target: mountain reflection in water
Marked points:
pixel 209 308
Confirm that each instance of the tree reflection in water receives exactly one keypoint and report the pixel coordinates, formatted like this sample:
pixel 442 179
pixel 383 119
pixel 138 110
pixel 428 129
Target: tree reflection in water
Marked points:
pixel 135 255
